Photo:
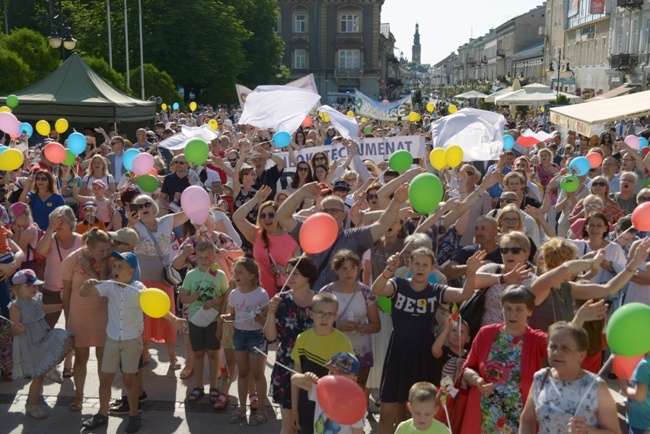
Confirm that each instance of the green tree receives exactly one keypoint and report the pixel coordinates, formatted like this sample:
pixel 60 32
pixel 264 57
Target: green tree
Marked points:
pixel 156 83
pixel 109 75
pixel 16 72
pixel 33 49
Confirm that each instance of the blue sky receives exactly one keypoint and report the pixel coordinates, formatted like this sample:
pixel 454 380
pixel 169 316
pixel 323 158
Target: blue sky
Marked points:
pixel 445 25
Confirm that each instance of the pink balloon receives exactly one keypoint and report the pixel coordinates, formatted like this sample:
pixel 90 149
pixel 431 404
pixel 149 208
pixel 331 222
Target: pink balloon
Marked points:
pixel 195 202
pixel 9 124
pixel 142 163
pixel 633 142
pixel 318 233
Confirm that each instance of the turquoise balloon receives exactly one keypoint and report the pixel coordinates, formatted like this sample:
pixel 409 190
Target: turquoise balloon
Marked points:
pixel 580 166
pixel 26 129
pixel 425 193
pixel 508 142
pixel 627 330
pixel 77 143
pixel 385 304
pixel 3 148
pixel 175 106
pixel 281 139
pixel 643 143
pixel 127 158
pixel 400 161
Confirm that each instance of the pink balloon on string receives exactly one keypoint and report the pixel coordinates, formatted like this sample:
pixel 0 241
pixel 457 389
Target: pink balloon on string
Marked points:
pixel 195 202
pixel 9 124
pixel 633 142
pixel 142 163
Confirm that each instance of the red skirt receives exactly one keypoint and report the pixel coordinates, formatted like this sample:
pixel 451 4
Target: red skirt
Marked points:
pixel 158 329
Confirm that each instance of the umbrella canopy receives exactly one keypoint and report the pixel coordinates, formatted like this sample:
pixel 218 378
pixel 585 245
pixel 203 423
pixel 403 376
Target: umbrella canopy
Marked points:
pixel 507 90
pixel 533 94
pixel 471 94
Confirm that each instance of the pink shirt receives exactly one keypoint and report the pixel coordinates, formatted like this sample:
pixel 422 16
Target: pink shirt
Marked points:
pixel 281 248
pixel 53 269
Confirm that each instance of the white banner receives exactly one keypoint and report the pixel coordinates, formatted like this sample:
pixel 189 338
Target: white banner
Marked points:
pixel 179 140
pixel 376 149
pixel 390 111
pixel 242 94
pixel 344 124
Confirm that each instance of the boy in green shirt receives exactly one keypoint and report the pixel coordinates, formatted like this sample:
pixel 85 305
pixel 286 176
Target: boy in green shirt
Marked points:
pixel 423 404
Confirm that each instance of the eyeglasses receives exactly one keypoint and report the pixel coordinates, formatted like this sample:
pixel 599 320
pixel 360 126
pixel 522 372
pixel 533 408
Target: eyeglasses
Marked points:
pixel 332 210
pixel 643 199
pixel 372 196
pixel 507 200
pixel 470 173
pixel 303 169
pixel 593 206
pixel 265 215
pixel 513 250
pixel 599 184
pixel 181 162
pixel 510 219
pixel 143 205
pixel 323 315
pixel 42 178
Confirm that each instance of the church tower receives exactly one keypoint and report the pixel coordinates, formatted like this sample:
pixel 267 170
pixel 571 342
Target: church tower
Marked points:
pixel 416 45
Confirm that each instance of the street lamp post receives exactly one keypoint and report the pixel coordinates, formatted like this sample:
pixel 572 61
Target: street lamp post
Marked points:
pixel 68 42
pixel 558 63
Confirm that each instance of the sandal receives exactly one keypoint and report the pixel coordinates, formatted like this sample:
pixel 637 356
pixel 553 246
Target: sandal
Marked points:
pixel 95 421
pixel 214 394
pixel 174 365
pixel 186 373
pixel 259 418
pixel 67 372
pixel 254 401
pixel 8 375
pixel 75 406
pixel 238 415
pixel 34 412
pixel 222 401
pixel 197 393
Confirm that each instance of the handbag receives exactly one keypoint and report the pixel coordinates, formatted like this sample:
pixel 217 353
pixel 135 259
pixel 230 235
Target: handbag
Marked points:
pixel 171 276
pixel 455 407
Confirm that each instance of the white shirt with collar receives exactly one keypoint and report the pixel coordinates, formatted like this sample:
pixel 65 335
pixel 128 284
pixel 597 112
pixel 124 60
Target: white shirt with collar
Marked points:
pixel 125 316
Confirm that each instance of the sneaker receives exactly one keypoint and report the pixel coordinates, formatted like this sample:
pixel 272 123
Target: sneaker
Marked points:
pixel 116 402
pixel 54 375
pixel 123 408
pixel 134 424
pixel 143 398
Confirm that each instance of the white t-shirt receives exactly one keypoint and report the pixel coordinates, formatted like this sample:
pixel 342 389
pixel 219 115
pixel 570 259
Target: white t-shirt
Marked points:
pixel 326 425
pixel 247 306
pixel 125 317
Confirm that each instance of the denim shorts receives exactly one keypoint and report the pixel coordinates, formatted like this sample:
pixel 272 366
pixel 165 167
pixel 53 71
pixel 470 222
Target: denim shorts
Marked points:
pixel 248 340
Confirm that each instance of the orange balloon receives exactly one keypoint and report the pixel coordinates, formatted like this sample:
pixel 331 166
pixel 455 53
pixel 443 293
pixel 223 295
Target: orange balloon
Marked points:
pixel 55 152
pixel 595 159
pixel 624 366
pixel 318 233
pixel 308 122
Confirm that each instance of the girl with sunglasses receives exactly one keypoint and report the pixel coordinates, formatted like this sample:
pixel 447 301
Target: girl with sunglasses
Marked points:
pixel 42 197
pixel 319 158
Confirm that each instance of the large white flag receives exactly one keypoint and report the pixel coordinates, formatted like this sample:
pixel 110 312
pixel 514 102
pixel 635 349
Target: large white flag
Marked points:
pixel 281 108
pixel 242 93
pixel 178 141
pixel 478 132
pixel 345 125
pixel 306 82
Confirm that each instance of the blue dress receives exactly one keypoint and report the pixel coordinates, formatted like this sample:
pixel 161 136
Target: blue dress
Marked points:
pixel 41 209
pixel 38 349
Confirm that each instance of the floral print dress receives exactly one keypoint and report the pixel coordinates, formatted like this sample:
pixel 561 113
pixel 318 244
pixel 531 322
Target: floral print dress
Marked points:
pixel 501 410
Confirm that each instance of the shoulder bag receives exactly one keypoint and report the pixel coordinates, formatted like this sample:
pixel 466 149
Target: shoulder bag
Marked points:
pixel 171 276
pixel 472 310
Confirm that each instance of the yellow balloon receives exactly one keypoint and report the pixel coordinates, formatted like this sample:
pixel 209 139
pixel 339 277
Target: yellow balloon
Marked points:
pixel 453 109
pixel 454 156
pixel 542 109
pixel 325 117
pixel 437 158
pixel 350 113
pixel 364 120
pixel 414 117
pixel 192 106
pixel 11 159
pixel 213 124
pixel 154 302
pixel 430 108
pixel 61 126
pixel 5 109
pixel 163 106
pixel 43 128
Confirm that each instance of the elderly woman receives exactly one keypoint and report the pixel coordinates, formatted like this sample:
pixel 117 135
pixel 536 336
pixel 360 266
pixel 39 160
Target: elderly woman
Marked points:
pixel 510 219
pixel 43 199
pixel 86 317
pixel 592 204
pixel 153 252
pixel 97 169
pixel 564 397
pixel 611 209
pixel 272 245
pixel 515 181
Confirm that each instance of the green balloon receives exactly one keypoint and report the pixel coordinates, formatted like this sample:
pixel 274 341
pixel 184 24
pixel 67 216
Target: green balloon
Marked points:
pixel 70 158
pixel 12 101
pixel 627 330
pixel 570 183
pixel 425 193
pixel 385 304
pixel 368 129
pixel 148 183
pixel 646 182
pixel 196 151
pixel 401 160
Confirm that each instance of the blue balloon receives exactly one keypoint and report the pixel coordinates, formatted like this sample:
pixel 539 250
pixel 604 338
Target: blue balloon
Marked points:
pixel 175 106
pixel 26 129
pixel 3 148
pixel 508 142
pixel 128 157
pixel 76 143
pixel 643 143
pixel 281 139
pixel 580 166
pixel 432 277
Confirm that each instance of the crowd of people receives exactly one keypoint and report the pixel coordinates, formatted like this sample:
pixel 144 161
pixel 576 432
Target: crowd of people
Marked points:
pixel 500 295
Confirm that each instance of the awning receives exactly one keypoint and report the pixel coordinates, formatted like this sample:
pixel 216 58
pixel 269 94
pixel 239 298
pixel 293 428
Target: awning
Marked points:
pixel 588 118
pixel 621 90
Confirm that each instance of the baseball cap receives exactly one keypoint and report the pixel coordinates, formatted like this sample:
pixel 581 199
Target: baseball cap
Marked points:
pixel 100 183
pixel 125 236
pixel 131 259
pixel 15 210
pixel 90 205
pixel 25 276
pixel 344 362
pixel 341 185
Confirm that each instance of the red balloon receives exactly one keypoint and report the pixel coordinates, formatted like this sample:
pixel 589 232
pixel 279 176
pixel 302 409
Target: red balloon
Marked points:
pixel 641 217
pixel 308 122
pixel 153 172
pixel 595 159
pixel 341 399
pixel 55 152
pixel 645 150
pixel 319 232
pixel 624 366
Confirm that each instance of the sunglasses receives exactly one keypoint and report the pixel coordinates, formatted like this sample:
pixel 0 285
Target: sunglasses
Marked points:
pixel 372 196
pixel 179 162
pixel 303 169
pixel 513 250
pixel 320 159
pixel 265 215
pixel 508 200
pixel 599 184
pixel 143 205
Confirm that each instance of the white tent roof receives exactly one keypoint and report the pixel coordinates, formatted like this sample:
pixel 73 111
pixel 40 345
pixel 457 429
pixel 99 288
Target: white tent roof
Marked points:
pixel 507 90
pixel 471 94
pixel 588 118
pixel 533 94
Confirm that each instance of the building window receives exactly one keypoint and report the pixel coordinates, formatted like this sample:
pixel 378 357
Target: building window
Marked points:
pixel 349 59
pixel 300 23
pixel 349 23
pixel 300 59
pixel 647 36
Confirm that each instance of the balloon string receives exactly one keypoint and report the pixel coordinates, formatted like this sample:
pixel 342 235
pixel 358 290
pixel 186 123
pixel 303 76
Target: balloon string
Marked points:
pixel 7 319
pixel 276 362
pixel 623 233
pixel 120 283
pixel 291 274
pixel 447 415
pixel 600 373
pixel 406 246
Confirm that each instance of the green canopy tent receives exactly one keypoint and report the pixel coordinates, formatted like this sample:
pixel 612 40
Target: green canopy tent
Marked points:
pixel 75 92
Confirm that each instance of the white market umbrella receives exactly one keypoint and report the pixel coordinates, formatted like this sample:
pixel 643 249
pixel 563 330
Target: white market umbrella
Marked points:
pixel 471 95
pixel 532 94
pixel 507 90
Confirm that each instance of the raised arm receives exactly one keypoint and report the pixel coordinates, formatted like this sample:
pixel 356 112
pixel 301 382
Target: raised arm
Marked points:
pixel 379 228
pixel 458 295
pixel 248 229
pixel 391 187
pixel 290 205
